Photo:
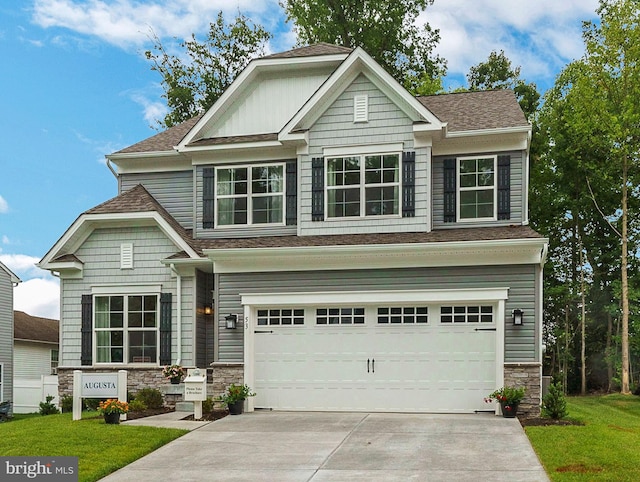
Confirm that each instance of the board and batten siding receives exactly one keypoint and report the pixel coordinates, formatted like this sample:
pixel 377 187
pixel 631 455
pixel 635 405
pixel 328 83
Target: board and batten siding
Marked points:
pixel 172 189
pixel 520 342
pixel 100 254
pixel 6 335
pixel 516 187
pixel 387 124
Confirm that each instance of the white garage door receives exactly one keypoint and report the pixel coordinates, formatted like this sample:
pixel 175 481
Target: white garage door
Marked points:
pixel 423 358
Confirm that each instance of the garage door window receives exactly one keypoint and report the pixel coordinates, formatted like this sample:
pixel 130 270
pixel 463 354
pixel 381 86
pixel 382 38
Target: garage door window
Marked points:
pixel 406 314
pixel 466 314
pixel 340 316
pixel 285 317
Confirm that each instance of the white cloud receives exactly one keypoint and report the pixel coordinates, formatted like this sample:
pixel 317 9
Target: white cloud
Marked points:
pixel 4 206
pixel 38 297
pixel 39 292
pixel 126 22
pixel 539 36
pixel 154 111
pixel 5 240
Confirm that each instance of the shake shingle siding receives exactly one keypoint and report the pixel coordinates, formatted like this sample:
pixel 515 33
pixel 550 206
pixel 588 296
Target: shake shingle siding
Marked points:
pixel 519 341
pixel 174 190
pixel 387 124
pixel 101 256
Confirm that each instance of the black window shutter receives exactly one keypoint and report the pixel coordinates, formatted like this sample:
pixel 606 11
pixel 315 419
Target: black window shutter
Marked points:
pixel 292 198
pixel 208 197
pixel 317 189
pixel 408 184
pixel 504 187
pixel 165 328
pixel 449 190
pixel 86 331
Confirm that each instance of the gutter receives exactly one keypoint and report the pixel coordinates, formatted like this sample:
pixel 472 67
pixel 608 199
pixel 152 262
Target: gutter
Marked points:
pixel 179 310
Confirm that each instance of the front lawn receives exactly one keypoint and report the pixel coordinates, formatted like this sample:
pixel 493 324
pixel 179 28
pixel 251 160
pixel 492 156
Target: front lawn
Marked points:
pixel 100 448
pixel 606 447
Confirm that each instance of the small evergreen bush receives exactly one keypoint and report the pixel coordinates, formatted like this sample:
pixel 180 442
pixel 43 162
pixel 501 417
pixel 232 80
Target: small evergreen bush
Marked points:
pixel 66 403
pixel 554 404
pixel 137 405
pixel 151 397
pixel 48 408
pixel 92 404
pixel 207 405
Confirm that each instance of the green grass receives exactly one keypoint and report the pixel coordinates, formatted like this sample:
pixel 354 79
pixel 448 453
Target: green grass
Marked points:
pixel 605 448
pixel 100 448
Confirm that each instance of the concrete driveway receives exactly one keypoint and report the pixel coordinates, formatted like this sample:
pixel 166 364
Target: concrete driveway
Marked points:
pixel 322 447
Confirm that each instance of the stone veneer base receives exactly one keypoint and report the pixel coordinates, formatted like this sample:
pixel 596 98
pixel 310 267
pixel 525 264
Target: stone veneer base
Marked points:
pixel 529 376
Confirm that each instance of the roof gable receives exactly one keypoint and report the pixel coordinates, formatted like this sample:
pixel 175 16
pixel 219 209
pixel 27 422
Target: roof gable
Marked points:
pixel 14 279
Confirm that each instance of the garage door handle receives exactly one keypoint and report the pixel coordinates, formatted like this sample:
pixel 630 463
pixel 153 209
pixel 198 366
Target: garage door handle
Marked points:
pixel 367 365
pixel 270 331
pixel 485 329
pixel 373 365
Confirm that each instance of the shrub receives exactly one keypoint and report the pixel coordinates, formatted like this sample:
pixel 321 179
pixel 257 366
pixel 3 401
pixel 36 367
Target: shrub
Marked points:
pixel 554 404
pixel 48 408
pixel 66 403
pixel 207 405
pixel 137 405
pixel 92 404
pixel 151 397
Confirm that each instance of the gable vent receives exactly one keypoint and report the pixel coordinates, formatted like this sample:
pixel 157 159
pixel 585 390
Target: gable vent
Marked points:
pixel 361 108
pixel 126 256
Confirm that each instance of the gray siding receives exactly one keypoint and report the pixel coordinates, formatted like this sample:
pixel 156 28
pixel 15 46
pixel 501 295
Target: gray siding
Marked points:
pixel 101 256
pixel 234 231
pixel 520 342
pixel 517 194
pixel 6 335
pixel 174 190
pixel 387 124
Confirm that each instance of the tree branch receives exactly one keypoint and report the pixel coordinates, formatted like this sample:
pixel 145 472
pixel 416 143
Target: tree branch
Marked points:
pixel 595 203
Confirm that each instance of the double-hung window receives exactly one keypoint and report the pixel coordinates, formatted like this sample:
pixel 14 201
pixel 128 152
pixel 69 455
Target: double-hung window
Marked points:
pixel 250 195
pixel 363 185
pixel 477 199
pixel 126 328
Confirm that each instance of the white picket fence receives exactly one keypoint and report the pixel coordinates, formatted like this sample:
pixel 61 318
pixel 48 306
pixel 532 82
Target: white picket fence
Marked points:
pixel 28 393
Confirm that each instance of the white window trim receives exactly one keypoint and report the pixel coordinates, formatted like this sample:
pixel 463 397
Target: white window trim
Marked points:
pixel 460 189
pixel 125 329
pixel 362 186
pixel 250 195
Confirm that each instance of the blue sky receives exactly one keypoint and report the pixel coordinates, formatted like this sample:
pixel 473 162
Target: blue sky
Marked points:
pixel 75 86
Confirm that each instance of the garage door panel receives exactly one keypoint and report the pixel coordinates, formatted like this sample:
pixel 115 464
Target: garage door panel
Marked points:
pixel 430 367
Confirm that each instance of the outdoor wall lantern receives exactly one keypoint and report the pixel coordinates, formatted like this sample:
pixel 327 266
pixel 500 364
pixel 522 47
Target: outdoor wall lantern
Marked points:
pixel 208 310
pixel 518 315
pixel 231 321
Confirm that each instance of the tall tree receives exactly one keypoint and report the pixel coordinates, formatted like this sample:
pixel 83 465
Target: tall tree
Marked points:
pixel 498 73
pixel 192 83
pixel 595 103
pixel 386 29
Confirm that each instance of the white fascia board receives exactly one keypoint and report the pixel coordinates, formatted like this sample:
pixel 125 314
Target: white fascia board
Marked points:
pixel 472 145
pixel 489 132
pixel 165 161
pixel 358 62
pixel 312 258
pixel 233 146
pixel 250 72
pixel 80 230
pixel 220 157
pixel 12 275
pixel 375 297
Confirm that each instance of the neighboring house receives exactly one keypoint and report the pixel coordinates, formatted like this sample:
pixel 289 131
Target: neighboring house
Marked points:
pixel 372 246
pixel 8 281
pixel 35 361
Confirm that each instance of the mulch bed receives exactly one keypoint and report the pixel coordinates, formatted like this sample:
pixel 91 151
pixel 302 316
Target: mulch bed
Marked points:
pixel 212 416
pixel 545 422
pixel 148 412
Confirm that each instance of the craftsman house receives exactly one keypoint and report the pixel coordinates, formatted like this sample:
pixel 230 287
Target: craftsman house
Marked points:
pixel 321 234
pixel 8 280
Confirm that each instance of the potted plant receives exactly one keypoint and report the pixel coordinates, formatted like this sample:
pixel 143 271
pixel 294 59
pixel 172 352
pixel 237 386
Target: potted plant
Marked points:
pixel 235 396
pixel 175 373
pixel 112 409
pixel 509 398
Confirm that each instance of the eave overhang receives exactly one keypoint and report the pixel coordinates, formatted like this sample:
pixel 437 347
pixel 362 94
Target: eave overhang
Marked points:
pixel 386 256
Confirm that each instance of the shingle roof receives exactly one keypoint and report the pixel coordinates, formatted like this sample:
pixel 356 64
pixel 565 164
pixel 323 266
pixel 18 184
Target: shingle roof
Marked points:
pixel 165 140
pixel 212 141
pixel 34 328
pixel 138 199
pixel 321 48
pixel 467 111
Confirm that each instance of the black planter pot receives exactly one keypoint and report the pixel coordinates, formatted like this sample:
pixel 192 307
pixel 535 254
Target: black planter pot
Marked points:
pixel 112 418
pixel 175 381
pixel 509 410
pixel 236 408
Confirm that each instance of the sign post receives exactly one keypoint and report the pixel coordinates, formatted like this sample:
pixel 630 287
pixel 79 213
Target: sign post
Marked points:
pixel 98 385
pixel 195 390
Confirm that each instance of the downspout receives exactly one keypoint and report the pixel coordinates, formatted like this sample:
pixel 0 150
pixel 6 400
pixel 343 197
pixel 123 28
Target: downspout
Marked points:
pixel 113 171
pixel 179 309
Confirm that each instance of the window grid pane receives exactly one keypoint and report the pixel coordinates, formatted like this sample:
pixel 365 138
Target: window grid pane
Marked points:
pixel 403 315
pixel 340 316
pixel 281 317
pixel 477 188
pixel 466 314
